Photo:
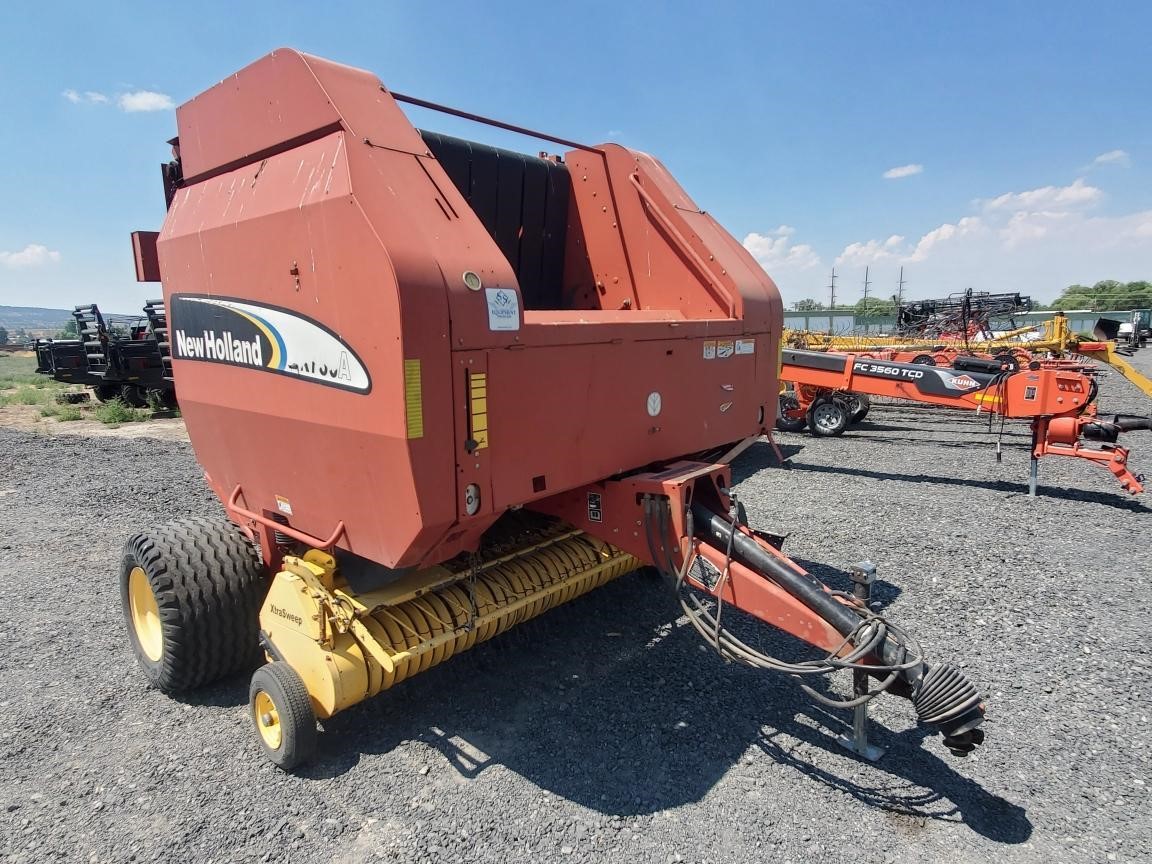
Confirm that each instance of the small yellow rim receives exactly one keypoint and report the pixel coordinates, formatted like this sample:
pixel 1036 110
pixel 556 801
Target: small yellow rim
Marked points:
pixel 268 720
pixel 145 615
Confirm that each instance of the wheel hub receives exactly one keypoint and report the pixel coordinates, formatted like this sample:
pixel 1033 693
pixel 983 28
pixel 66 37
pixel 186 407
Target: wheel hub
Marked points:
pixel 826 416
pixel 145 615
pixel 269 720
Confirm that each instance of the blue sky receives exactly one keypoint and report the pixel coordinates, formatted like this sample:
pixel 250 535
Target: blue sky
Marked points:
pixel 1023 129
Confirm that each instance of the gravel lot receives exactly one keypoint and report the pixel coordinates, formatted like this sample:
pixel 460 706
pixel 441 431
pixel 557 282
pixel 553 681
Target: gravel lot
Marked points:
pixel 605 731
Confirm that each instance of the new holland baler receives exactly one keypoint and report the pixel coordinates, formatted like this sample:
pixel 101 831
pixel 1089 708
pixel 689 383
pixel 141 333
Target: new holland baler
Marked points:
pixel 442 387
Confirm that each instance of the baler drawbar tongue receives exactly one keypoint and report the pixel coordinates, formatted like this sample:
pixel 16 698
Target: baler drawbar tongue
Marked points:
pixel 734 566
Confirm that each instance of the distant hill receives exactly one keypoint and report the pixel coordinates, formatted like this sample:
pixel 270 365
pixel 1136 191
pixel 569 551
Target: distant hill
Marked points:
pixel 33 317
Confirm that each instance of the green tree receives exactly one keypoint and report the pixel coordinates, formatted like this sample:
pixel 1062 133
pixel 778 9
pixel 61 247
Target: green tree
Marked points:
pixel 1139 295
pixel 1107 295
pixel 1074 297
pixel 808 305
pixel 874 306
pixel 68 331
pixel 3 335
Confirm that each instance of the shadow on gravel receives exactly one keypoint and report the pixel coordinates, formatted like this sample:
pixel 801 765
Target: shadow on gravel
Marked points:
pixel 914 783
pixel 950 429
pixel 607 702
pixel 759 457
pixel 1105 498
pixel 987 442
pixel 229 693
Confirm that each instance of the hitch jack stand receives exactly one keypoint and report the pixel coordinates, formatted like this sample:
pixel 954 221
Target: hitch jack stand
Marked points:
pixel 863 575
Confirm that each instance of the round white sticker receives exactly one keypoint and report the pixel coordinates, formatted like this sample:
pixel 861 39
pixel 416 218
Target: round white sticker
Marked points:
pixel 654 404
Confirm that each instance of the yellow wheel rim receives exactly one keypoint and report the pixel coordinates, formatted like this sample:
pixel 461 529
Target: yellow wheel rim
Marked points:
pixel 145 614
pixel 267 720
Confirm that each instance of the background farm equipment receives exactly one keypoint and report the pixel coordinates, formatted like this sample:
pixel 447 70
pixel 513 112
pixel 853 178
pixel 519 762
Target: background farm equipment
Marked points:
pixel 1052 343
pixel 964 316
pixel 117 356
pixel 455 405
pixel 1060 402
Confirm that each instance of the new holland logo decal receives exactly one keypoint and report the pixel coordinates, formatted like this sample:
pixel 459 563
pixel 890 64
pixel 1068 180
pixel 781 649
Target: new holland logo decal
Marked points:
pixel 268 338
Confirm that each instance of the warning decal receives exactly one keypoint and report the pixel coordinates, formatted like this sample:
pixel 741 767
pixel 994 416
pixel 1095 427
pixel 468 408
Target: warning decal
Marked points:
pixel 595 513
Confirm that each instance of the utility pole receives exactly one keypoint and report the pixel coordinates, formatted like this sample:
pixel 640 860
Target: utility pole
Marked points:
pixel 900 288
pixel 866 284
pixel 832 286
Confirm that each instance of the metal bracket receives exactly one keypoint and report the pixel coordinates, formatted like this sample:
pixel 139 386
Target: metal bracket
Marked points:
pixel 857 742
pixel 863 575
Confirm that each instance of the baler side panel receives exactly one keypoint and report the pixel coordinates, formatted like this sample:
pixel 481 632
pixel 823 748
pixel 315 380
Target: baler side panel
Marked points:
pixel 612 407
pixel 242 234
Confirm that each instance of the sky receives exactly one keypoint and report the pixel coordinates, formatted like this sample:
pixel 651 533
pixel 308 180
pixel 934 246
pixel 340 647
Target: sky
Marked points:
pixel 997 146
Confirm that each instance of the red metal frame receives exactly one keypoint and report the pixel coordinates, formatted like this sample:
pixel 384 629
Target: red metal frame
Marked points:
pixel 618 518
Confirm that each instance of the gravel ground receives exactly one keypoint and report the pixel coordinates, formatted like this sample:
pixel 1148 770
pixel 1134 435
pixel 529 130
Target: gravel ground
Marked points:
pixel 605 731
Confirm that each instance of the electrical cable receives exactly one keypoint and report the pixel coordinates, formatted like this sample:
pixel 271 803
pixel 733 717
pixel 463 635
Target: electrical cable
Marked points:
pixel 872 631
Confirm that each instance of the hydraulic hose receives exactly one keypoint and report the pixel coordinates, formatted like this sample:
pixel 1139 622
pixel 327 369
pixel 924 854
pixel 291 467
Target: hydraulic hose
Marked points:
pixel 941 695
pixel 803 586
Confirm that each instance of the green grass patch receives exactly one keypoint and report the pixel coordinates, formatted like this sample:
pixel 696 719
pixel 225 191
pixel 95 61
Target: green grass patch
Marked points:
pixel 26 396
pixel 68 413
pixel 21 372
pixel 62 413
pixel 117 411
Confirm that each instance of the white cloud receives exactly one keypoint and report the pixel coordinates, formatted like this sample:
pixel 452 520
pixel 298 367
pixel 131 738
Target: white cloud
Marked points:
pixel 948 231
pixel 903 171
pixel 1113 157
pixel 144 100
pixel 871 252
pixel 791 265
pixel 32 255
pixel 1037 242
pixel 1078 194
pixel 92 97
pixel 776 249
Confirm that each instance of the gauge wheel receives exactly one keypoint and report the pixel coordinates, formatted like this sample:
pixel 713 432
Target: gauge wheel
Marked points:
pixel 828 418
pixel 283 715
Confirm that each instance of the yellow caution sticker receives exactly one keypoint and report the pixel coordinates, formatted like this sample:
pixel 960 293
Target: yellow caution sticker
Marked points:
pixel 478 408
pixel 413 399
